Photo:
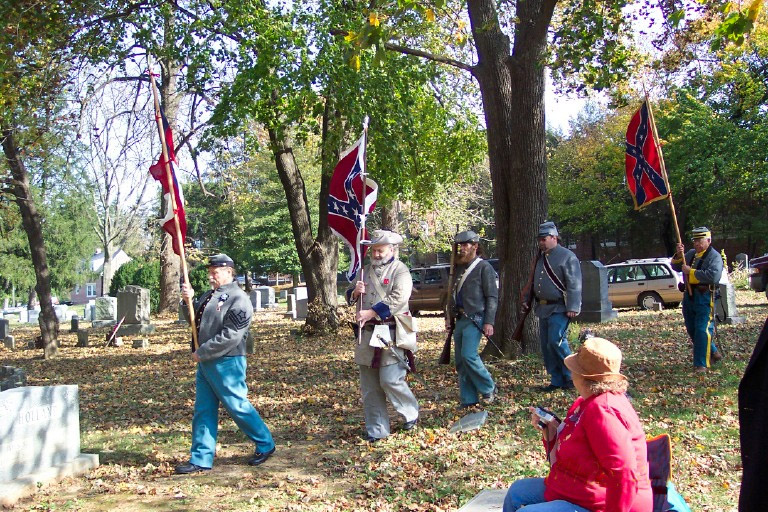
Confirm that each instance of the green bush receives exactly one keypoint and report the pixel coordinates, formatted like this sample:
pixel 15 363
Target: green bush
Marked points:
pixel 139 273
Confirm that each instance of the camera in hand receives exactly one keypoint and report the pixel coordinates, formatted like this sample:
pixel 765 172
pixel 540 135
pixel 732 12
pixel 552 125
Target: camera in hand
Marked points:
pixel 545 416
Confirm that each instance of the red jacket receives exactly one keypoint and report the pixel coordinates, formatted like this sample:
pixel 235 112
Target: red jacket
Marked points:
pixel 600 457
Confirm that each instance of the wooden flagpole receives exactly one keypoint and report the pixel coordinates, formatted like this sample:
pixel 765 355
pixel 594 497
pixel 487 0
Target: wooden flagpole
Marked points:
pixel 169 177
pixel 363 216
pixel 666 180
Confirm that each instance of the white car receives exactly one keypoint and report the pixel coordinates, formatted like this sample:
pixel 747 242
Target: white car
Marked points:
pixel 643 283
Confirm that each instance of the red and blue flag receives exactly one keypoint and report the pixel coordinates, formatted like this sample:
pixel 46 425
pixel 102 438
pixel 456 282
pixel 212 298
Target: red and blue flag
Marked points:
pixel 349 201
pixel 159 173
pixel 643 165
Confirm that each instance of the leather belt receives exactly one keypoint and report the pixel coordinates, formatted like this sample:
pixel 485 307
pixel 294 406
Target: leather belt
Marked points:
pixel 545 302
pixel 371 323
pixel 703 288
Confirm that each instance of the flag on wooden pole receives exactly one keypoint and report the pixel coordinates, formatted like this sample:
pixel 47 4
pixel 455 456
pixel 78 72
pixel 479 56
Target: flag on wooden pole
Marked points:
pixel 645 177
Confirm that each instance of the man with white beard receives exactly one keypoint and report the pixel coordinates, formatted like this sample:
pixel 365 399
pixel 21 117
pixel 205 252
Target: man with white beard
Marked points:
pixel 384 291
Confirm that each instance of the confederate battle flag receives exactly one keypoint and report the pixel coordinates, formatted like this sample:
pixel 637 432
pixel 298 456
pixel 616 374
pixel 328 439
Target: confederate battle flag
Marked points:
pixel 348 204
pixel 643 166
pixel 158 172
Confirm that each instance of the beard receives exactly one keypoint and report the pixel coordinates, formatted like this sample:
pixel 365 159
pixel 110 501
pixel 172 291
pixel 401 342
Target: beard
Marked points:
pixel 378 262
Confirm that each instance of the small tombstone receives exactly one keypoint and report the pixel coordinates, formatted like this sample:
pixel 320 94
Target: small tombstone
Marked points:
pixel 284 294
pixel 267 296
pixel 60 310
pixel 471 421
pixel 291 309
pixel 117 342
pixel 10 342
pixel 250 343
pixel 105 312
pixel 10 378
pixel 725 306
pixel 182 313
pixel 300 292
pixel 82 338
pixel 740 261
pixel 487 500
pixel 141 343
pixel 33 316
pixel 23 316
pixel 301 309
pixel 658 306
pixel 255 297
pixel 595 304
pixel 74 324
pixel 5 328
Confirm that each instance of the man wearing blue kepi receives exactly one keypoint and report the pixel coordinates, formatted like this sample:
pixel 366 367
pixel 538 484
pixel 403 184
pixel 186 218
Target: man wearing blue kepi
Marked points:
pixel 557 292
pixel 222 319
pixel 473 303
pixel 701 268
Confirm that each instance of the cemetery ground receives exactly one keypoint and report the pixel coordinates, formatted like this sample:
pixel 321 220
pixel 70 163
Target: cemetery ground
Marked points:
pixel 136 410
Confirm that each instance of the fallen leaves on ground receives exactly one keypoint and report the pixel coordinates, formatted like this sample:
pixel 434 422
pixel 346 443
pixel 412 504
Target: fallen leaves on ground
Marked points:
pixel 136 410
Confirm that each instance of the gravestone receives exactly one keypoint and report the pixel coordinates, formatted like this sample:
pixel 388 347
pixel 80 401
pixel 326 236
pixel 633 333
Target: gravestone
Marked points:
pixel 487 500
pixel 284 294
pixel 133 307
pixel 300 292
pixel 11 377
pixel 250 343
pixel 105 312
pixel 182 313
pixel 62 312
pixel 33 315
pixel 595 304
pixel 255 297
pixel 658 306
pixel 267 296
pixel 39 439
pixel 74 324
pixel 23 316
pixel 725 306
pixel 141 343
pixel 291 308
pixel 83 338
pixel 301 309
pixel 9 342
pixel 5 328
pixel 740 261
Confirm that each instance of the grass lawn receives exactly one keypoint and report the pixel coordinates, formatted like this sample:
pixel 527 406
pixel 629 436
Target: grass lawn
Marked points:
pixel 136 411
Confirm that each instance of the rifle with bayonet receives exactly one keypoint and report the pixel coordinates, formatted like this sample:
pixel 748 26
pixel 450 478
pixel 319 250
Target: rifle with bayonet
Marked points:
pixel 527 302
pixel 445 355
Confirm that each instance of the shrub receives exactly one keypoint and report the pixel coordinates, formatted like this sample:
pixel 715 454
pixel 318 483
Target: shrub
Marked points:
pixel 139 273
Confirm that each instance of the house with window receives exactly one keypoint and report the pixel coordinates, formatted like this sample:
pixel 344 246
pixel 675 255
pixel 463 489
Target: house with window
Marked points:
pixel 93 285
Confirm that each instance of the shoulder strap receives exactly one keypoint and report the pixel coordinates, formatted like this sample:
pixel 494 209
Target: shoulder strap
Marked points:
pixel 466 273
pixel 552 276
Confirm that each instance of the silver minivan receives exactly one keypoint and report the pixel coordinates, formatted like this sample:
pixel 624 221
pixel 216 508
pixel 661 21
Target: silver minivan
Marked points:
pixel 643 283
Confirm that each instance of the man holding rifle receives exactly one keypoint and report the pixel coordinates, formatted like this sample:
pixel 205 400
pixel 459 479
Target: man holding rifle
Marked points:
pixel 472 304
pixel 557 292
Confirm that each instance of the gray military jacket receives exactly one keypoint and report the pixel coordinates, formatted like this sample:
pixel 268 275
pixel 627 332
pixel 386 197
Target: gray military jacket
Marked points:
pixel 396 283
pixel 566 267
pixel 479 293
pixel 225 322
pixel 711 266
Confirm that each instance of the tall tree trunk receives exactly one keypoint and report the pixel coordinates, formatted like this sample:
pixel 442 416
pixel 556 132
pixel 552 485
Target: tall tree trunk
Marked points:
pixel 170 264
pixel 30 218
pixel 107 271
pixel 512 89
pixel 318 256
pixel 390 217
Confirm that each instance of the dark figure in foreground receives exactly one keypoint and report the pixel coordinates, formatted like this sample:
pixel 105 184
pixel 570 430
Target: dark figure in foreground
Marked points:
pixel 222 317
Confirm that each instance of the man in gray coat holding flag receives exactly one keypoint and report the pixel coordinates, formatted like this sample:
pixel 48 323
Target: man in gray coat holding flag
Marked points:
pixel 473 303
pixel 557 292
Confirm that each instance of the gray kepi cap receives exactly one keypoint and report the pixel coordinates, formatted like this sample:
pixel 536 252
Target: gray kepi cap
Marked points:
pixel 382 236
pixel 221 260
pixel 468 236
pixel 547 229
pixel 702 232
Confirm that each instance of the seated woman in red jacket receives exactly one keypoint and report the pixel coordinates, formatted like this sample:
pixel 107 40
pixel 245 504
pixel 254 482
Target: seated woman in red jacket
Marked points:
pixel 597 455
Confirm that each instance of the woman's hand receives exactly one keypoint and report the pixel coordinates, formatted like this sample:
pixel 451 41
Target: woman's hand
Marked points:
pixel 549 431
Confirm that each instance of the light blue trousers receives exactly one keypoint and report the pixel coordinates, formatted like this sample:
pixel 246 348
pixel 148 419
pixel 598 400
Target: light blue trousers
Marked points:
pixel 528 494
pixel 474 378
pixel 699 316
pixel 553 332
pixel 222 381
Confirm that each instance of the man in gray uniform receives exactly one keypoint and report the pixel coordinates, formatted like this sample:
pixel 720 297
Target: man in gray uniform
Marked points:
pixel 384 292
pixel 473 304
pixel 557 292
pixel 222 319
pixel 702 267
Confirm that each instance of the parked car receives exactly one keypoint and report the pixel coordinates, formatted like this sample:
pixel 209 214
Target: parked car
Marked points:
pixel 758 275
pixel 430 288
pixel 643 283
